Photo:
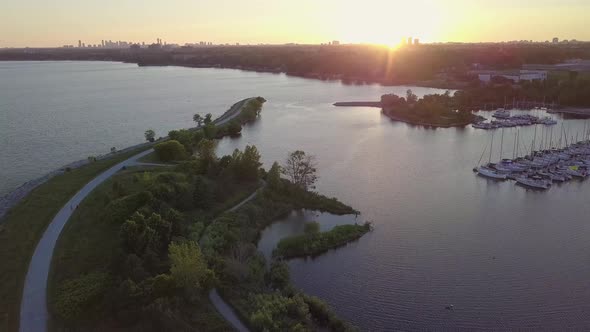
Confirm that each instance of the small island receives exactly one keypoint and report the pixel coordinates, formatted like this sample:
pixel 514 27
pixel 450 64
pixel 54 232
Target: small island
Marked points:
pixel 435 110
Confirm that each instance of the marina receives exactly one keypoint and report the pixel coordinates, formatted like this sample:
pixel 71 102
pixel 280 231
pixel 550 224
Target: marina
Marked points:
pixel 555 161
pixel 503 119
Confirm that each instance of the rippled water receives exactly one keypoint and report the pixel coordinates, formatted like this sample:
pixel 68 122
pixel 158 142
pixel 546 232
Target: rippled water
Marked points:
pixel 504 256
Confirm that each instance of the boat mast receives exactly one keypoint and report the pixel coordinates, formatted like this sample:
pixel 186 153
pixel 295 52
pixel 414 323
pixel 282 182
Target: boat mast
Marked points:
pixel 491 147
pixel 551 139
pixel 502 143
pixel 515 142
pixel 534 140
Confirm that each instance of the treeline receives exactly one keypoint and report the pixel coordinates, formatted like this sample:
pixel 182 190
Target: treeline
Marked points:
pixel 571 89
pixel 352 63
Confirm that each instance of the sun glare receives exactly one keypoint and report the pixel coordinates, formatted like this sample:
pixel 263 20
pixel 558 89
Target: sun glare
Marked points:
pixel 381 22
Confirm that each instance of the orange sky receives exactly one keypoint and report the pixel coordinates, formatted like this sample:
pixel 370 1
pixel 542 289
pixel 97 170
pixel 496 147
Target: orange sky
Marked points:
pixel 58 22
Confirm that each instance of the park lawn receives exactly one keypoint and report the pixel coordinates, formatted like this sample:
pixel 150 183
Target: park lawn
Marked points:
pixel 90 240
pixel 24 224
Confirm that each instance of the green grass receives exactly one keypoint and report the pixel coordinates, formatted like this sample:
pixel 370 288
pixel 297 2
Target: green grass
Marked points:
pixel 24 225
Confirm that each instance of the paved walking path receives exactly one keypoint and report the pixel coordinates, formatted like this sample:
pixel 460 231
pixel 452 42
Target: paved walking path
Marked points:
pixel 33 312
pixel 226 311
pixel 34 315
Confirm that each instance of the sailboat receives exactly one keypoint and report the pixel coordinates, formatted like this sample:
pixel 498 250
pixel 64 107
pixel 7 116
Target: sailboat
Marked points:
pixel 487 171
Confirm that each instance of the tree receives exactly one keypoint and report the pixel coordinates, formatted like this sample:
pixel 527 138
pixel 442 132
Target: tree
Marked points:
pixel 210 131
pixel 184 137
pixel 279 274
pixel 206 152
pixel 170 150
pixel 150 135
pixel 198 119
pixel 249 164
pixel 411 97
pixel 274 177
pixel 202 195
pixel 300 169
pixel 234 128
pixel 197 137
pixel 207 119
pixel 187 265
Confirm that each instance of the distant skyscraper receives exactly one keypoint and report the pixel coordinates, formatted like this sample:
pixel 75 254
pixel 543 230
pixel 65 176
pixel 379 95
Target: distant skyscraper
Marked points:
pixel 416 41
pixel 79 43
pixel 409 40
pixel 555 40
pixel 102 43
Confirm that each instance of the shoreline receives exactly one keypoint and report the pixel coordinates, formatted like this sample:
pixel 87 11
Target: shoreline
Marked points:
pixel 433 84
pixel 425 124
pixel 16 195
pixel 580 111
pixel 378 104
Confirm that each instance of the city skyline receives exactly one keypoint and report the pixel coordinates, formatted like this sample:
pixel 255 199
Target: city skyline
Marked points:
pixel 64 22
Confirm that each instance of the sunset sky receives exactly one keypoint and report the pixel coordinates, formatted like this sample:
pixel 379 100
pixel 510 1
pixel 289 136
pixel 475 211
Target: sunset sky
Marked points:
pixel 58 22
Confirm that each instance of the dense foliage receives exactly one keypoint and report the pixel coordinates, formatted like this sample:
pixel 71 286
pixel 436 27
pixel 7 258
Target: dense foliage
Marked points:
pixel 170 150
pixel 435 109
pixel 175 243
pixel 313 243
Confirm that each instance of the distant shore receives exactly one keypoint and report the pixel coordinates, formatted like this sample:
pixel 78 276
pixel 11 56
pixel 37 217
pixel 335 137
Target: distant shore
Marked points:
pixel 390 113
pixel 359 104
pixel 13 197
pixel 585 112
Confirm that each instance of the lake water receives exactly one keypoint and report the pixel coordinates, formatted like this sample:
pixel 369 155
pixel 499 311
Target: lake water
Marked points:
pixel 504 256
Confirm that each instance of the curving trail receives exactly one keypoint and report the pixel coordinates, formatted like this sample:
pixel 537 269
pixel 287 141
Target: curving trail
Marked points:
pixel 33 311
pixel 34 314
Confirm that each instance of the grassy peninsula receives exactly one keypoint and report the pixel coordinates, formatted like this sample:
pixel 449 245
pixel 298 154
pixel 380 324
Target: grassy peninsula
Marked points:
pixel 314 242
pixel 145 248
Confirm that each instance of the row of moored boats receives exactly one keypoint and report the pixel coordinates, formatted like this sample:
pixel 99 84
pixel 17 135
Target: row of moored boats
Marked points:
pixel 505 120
pixel 540 169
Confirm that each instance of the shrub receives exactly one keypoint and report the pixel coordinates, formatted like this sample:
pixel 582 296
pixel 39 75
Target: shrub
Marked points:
pixel 279 275
pixel 120 209
pixel 170 150
pixel 77 297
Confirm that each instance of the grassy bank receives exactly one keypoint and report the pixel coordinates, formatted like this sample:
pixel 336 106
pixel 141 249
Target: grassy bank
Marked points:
pixel 24 225
pixel 314 243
